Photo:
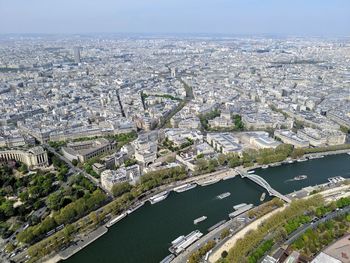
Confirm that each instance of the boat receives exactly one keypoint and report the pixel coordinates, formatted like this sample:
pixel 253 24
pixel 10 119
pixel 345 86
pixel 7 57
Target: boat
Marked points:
pixel 168 259
pixel 115 220
pixel 216 225
pixel 229 177
pixel 275 164
pixel 224 195
pixel 262 197
pixel 300 177
pixel 209 182
pixel 302 160
pixel 158 197
pixel 133 209
pixel 185 187
pixel 199 219
pixel 241 210
pixel 348 153
pixel 251 172
pixel 336 179
pixel 291 161
pixel 177 240
pixel 265 166
pixel 183 242
pixel 236 207
pixel 315 156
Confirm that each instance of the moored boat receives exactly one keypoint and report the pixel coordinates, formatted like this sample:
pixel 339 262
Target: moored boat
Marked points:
pixel 116 219
pixel 236 207
pixel 209 182
pixel 185 187
pixel 158 197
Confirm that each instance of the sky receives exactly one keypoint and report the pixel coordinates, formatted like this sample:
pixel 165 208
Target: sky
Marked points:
pixel 280 17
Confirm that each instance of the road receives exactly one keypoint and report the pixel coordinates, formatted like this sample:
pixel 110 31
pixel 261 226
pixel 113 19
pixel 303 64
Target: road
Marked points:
pixel 296 234
pixel 76 169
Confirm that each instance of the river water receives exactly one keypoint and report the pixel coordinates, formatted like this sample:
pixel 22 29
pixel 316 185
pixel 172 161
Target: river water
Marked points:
pixel 145 235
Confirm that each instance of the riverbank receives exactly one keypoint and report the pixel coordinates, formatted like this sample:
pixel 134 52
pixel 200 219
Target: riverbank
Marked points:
pixel 329 195
pixel 219 175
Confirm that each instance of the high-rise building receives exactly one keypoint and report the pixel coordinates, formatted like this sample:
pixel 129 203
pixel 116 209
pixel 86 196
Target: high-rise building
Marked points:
pixel 77 54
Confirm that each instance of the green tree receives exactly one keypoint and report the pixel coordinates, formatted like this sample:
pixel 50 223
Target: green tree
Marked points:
pixel 119 189
pixel 75 162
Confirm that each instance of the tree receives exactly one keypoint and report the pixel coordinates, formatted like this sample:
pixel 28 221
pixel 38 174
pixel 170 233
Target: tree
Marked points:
pixel 75 162
pixel 24 196
pixel 53 201
pixel 7 208
pixel 119 189
pixel 23 168
pixel 224 254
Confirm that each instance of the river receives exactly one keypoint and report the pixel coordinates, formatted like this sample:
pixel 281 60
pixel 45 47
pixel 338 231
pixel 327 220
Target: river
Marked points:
pixel 145 235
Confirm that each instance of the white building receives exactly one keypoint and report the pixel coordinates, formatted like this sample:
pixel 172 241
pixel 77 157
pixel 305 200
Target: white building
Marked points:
pixel 224 143
pixel 34 157
pixel 291 138
pixel 260 140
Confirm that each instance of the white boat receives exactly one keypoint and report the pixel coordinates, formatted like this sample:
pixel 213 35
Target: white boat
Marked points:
pixel 133 209
pixel 265 166
pixel 291 161
pixel 251 172
pixel 185 187
pixel 177 240
pixel 302 160
pixel 300 177
pixel 241 210
pixel 224 195
pixel 115 220
pixel 348 153
pixel 199 219
pixel 158 197
pixel 336 179
pixel 183 242
pixel 236 207
pixel 209 182
pixel 229 177
pixel 262 197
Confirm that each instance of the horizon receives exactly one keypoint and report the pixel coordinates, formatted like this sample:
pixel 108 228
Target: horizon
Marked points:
pixel 252 17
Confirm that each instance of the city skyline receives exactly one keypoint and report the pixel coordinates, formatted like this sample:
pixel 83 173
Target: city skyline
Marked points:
pixel 302 18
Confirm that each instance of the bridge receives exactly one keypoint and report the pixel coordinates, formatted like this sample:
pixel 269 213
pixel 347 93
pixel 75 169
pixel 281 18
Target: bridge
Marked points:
pixel 260 181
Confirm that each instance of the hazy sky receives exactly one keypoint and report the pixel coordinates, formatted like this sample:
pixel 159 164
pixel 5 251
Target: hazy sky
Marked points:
pixel 295 17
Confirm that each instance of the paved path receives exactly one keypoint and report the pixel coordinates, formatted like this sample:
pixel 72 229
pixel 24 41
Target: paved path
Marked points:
pixel 230 242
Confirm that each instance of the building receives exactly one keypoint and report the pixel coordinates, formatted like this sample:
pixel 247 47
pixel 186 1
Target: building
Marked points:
pixel 35 157
pixel 260 140
pixel 180 136
pixel 315 137
pixel 146 147
pixel 291 138
pixel 109 178
pixel 130 174
pixel 224 143
pixel 85 150
pixel 77 55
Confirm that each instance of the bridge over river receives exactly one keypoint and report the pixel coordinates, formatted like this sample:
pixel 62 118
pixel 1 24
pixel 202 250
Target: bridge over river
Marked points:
pixel 261 181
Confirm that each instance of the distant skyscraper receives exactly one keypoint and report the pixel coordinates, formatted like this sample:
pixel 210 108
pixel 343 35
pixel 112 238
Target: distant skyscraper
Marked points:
pixel 77 54
pixel 173 72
